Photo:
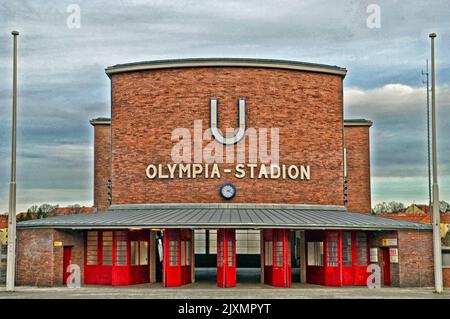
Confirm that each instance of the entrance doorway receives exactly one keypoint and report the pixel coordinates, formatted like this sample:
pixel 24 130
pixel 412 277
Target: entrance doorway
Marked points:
pixel 386 267
pixel 226 258
pixel 177 257
pixel 67 257
pixel 277 257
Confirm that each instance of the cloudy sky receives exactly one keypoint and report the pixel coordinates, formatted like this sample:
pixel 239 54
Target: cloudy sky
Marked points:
pixel 62 83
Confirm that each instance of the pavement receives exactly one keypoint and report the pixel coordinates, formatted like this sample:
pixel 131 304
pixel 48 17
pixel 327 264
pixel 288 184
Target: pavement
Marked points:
pixel 211 291
pixel 248 287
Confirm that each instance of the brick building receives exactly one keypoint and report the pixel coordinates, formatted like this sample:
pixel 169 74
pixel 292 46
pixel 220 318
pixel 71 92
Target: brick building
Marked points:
pixel 176 192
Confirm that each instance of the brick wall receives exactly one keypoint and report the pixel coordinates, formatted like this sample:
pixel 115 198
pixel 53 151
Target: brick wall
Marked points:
pixel 39 263
pixel 102 151
pixel 446 276
pixel 148 105
pixel 358 169
pixel 416 258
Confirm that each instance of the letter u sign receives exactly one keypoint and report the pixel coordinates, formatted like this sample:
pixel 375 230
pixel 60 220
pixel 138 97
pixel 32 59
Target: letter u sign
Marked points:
pixel 228 140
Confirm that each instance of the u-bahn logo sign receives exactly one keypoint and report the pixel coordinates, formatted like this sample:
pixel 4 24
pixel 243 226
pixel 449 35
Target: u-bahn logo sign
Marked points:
pixel 214 118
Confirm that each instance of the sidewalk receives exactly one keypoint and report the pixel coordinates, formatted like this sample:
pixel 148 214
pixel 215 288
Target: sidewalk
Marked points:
pixel 209 291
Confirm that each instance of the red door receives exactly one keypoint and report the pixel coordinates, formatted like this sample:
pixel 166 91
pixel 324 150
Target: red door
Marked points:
pixel 361 258
pixel 171 258
pixel 386 267
pixel 277 257
pixel 67 256
pixel 281 258
pixel 177 257
pixel 333 256
pixel 226 258
pixel 186 256
pixel 348 271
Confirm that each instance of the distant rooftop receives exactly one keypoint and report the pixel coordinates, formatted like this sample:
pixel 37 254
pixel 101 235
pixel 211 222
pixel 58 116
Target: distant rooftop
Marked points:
pixel 230 62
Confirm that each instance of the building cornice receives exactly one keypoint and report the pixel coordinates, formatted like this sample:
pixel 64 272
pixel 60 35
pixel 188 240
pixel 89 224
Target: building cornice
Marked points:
pixel 226 62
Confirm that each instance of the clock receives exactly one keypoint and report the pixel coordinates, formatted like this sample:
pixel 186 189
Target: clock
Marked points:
pixel 228 191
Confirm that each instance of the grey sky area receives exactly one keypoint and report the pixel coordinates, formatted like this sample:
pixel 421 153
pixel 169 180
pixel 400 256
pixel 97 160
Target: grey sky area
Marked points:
pixel 62 83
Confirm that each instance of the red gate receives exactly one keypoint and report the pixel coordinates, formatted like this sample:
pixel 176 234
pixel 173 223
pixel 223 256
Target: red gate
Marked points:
pixel 277 257
pixel 177 257
pixel 226 258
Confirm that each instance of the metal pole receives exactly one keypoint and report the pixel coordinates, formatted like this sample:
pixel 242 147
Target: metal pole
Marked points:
pixel 427 82
pixel 430 198
pixel 437 250
pixel 11 263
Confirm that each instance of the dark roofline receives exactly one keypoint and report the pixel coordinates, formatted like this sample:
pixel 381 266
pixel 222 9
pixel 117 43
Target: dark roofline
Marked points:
pixel 100 121
pixel 351 122
pixel 231 62
pixel 358 122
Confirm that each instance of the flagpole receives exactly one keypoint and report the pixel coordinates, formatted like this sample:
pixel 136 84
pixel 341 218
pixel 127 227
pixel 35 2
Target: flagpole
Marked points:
pixel 11 255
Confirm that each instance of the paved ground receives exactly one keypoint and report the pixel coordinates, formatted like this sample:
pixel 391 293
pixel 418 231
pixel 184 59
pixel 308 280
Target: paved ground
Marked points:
pixel 210 291
pixel 205 288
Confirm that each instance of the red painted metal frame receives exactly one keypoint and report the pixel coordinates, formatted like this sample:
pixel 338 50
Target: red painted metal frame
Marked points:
pixel 226 258
pixel 114 274
pixel 336 274
pixel 279 274
pixel 177 272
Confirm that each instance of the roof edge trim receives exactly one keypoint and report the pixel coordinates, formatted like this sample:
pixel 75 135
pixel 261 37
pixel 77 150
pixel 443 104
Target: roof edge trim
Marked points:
pixel 226 62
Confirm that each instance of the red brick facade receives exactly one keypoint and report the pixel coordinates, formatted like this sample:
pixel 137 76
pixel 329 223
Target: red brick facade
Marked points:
pixel 39 262
pixel 305 106
pixel 358 168
pixel 102 161
pixel 416 258
pixel 446 275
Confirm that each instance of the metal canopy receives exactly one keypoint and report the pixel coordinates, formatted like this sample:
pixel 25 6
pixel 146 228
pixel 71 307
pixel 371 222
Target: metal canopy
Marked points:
pixel 239 216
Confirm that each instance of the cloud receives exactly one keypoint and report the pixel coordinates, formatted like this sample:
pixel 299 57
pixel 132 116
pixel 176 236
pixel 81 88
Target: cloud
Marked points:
pixel 62 82
pixel 399 136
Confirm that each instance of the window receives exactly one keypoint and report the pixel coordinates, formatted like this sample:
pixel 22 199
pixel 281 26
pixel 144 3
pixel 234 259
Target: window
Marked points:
pixel 134 253
pixel 121 248
pixel 173 253
pixel 268 253
pixel 315 253
pixel 183 253
pixel 332 249
pixel 230 254
pixel 361 249
pixel 200 241
pixel 107 239
pixel 279 253
pixel 92 248
pixel 347 255
pixel 143 253
pixel 188 253
pixel 248 242
pixel 213 241
pixel 446 257
pixel 139 253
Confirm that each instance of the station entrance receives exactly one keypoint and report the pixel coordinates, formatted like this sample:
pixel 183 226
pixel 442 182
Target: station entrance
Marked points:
pixel 229 257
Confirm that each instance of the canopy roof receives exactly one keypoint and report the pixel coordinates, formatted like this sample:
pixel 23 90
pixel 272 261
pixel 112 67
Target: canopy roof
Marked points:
pixel 239 216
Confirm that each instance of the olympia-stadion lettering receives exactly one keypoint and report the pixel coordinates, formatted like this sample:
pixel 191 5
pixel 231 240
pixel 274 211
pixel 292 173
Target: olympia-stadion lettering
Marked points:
pixel 214 152
pixel 227 164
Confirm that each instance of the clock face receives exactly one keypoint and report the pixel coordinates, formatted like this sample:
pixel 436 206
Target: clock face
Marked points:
pixel 228 191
